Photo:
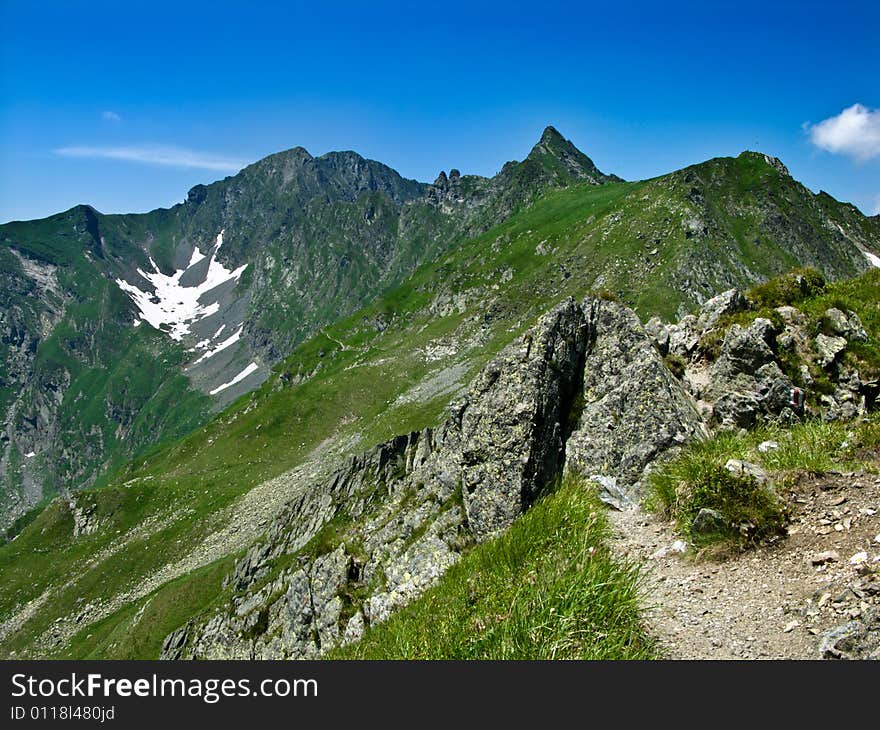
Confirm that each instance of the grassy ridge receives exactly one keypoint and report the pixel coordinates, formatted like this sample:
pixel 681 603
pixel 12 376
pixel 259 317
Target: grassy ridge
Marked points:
pixel 545 589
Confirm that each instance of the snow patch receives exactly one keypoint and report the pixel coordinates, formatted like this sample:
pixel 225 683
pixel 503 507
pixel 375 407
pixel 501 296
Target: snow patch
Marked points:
pixel 196 257
pixel 873 258
pixel 173 307
pixel 217 333
pixel 222 346
pixel 237 379
pixel 200 345
pixel 30 455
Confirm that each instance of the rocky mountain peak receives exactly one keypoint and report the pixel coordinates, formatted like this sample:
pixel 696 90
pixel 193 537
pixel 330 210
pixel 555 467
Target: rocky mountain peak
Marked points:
pixel 559 156
pixel 774 162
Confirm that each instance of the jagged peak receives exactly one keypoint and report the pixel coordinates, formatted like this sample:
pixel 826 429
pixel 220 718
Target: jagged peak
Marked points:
pixel 552 142
pixel 551 134
pixel 555 151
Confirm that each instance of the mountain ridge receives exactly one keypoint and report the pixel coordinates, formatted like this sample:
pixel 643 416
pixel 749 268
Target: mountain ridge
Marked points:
pixel 320 236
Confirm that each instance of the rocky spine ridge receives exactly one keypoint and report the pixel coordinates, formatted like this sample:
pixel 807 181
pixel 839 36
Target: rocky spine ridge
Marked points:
pixel 369 540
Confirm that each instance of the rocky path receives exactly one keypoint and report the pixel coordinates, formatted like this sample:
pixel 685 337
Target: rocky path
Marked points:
pixel 773 602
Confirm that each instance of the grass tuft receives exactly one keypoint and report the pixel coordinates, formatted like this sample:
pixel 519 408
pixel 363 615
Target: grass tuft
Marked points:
pixel 697 478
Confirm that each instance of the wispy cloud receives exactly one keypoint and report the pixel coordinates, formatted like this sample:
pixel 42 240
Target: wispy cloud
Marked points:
pixel 111 116
pixel 154 154
pixel 854 132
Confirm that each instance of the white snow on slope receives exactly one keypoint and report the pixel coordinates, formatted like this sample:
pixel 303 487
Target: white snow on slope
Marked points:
pixel 237 379
pixel 173 307
pixel 222 346
pixel 198 255
pixel 873 258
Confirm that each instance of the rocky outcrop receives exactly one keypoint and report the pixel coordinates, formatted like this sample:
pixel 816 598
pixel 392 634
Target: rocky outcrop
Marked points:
pixel 846 325
pixel 765 370
pixel 858 639
pixel 513 421
pixel 746 382
pixel 586 390
pixel 729 302
pixel 351 550
pixel 632 408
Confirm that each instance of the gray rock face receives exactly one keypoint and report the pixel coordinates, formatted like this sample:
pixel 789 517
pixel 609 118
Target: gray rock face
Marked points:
pixel 847 325
pixel 853 640
pixel 659 333
pixel 829 348
pixel 401 514
pixel 684 336
pixel 714 309
pixel 175 642
pixel 746 382
pixel 633 408
pixel 746 349
pixel 512 423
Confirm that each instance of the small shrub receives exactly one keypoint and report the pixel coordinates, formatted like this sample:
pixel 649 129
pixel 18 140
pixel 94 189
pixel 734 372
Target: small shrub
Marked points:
pixel 709 345
pixel 696 479
pixel 741 501
pixel 864 442
pixel 606 294
pixel 676 364
pixel 789 288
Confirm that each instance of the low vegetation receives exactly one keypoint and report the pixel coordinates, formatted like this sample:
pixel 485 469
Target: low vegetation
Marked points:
pixel 546 589
pixel 788 289
pixel 807 290
pixel 750 508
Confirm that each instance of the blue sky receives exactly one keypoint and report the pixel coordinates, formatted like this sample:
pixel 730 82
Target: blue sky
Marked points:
pixel 126 105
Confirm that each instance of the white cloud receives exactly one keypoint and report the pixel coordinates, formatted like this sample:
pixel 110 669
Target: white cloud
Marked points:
pixel 153 154
pixel 110 116
pixel 854 132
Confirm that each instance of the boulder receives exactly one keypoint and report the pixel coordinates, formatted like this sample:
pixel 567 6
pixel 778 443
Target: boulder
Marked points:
pixel 714 309
pixel 854 640
pixel 846 325
pixel 737 409
pixel 746 383
pixel 684 336
pixel 829 348
pixel 659 333
pixel 708 521
pixel 791 315
pixel 610 493
pixel 745 349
